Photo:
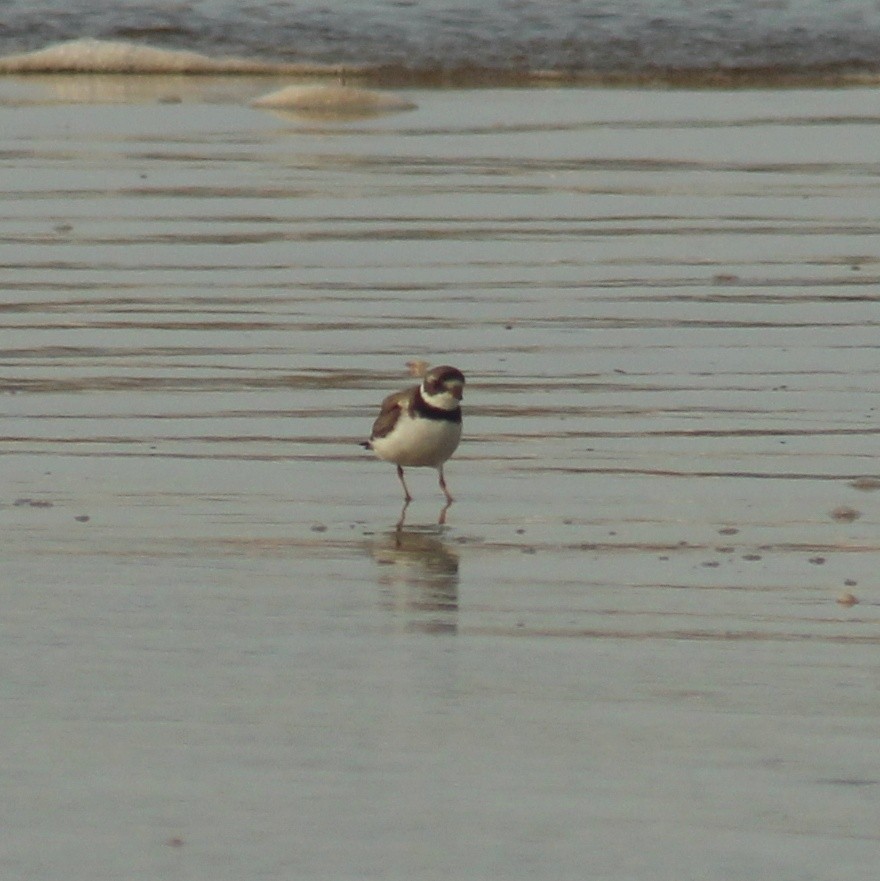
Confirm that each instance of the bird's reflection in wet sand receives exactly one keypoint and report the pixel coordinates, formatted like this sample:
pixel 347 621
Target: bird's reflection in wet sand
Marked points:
pixel 418 578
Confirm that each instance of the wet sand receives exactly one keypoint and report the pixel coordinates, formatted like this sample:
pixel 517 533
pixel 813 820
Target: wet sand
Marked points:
pixel 644 643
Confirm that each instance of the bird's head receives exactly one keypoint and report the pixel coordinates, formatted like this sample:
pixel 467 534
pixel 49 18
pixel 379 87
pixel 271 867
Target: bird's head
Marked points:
pixel 443 387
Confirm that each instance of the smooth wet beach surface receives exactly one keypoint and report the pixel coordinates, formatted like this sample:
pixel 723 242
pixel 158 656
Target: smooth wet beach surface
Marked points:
pixel 645 643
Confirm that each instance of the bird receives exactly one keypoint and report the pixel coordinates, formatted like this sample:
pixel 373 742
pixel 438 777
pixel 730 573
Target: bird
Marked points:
pixel 420 426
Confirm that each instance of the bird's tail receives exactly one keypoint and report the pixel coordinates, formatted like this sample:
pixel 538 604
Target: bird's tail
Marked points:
pixel 367 445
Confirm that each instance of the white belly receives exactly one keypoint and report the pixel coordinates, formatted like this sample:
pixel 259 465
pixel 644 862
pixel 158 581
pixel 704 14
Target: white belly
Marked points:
pixel 415 442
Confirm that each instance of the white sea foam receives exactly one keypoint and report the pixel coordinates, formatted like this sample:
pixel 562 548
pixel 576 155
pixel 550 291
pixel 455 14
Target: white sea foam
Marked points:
pixel 333 100
pixel 119 56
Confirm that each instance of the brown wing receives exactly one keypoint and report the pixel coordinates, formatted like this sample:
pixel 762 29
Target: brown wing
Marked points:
pixel 390 411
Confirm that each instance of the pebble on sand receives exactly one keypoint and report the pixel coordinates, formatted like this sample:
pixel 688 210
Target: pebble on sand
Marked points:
pixel 845 514
pixel 866 484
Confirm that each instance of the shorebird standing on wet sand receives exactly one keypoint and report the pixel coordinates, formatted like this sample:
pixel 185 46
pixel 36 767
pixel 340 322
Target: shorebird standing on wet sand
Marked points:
pixel 421 426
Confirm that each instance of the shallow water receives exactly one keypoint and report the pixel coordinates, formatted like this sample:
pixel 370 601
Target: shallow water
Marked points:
pixel 623 656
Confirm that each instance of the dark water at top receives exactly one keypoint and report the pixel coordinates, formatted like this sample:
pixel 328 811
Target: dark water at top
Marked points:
pixel 601 37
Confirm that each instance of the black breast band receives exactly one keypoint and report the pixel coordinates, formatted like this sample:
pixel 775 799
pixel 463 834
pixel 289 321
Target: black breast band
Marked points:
pixel 423 408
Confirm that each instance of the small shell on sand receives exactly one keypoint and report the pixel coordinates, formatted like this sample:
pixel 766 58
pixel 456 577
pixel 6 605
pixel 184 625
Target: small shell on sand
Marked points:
pixel 333 100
